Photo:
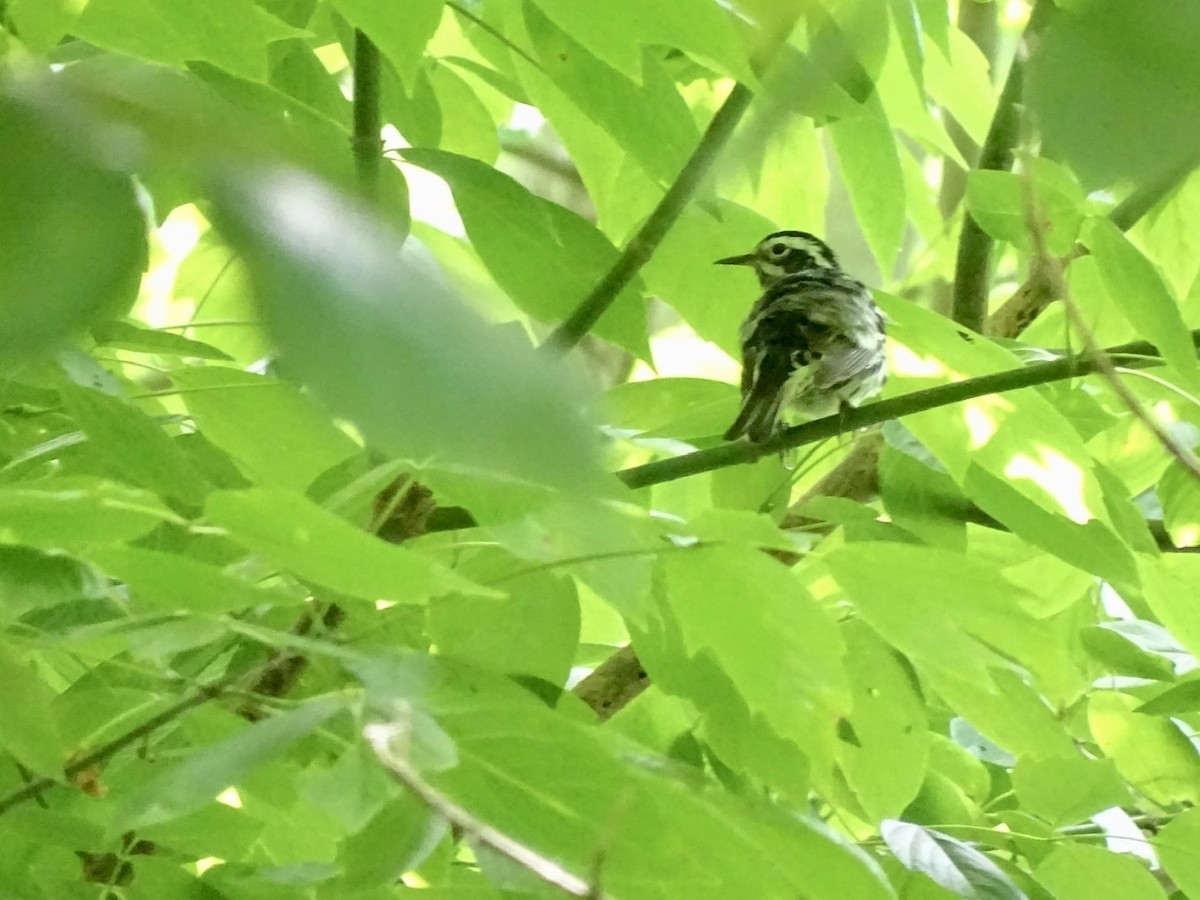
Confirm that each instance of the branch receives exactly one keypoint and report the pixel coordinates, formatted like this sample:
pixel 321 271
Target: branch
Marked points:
pixel 366 142
pixel 382 736
pixel 1140 354
pixel 199 696
pixel 639 250
pixel 973 264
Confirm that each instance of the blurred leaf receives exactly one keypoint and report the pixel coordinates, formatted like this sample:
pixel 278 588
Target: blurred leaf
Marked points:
pixel 74 238
pixel 1078 872
pixel 276 434
pixel 76 511
pixel 400 37
pixel 350 315
pixel 188 785
pixel 521 238
pixel 135 445
pixel 1152 754
pixel 906 19
pixel 1169 581
pixel 1113 92
pixel 294 532
pixel 674 407
pixel 954 865
pixel 1067 790
pixel 230 34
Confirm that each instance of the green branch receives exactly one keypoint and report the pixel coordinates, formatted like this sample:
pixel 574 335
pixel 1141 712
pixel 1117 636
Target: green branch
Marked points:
pixel 972 268
pixel 366 142
pixel 199 696
pixel 1140 354
pixel 639 250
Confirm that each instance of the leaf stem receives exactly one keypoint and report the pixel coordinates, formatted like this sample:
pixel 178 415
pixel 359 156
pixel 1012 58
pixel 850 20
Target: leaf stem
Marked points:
pixel 639 250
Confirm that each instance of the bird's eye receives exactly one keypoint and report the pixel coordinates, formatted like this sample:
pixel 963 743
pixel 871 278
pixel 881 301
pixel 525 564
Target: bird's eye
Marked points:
pixel 778 249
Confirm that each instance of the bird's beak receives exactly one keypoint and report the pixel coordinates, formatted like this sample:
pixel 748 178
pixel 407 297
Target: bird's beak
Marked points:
pixel 746 259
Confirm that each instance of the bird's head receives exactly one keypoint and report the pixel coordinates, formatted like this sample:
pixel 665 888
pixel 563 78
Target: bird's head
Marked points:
pixel 785 253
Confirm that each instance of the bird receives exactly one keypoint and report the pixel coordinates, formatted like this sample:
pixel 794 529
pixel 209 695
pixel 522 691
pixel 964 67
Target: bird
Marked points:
pixel 813 343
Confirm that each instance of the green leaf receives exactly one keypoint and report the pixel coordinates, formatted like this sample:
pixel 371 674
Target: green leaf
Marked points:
pixel 870 164
pixel 785 638
pixel 1138 289
pixel 906 19
pixel 1001 202
pixel 189 785
pixel 1169 581
pixel 1176 845
pixel 1066 790
pixel 351 314
pixel 650 121
pixel 516 769
pixel 1135 648
pixel 276 434
pixel 230 34
pixel 534 631
pixel 1174 701
pixel 30 579
pixel 956 866
pixel 26 730
pixel 470 131
pixel 1112 91
pixel 127 336
pixel 42 24
pixel 168 582
pixel 1152 754
pixel 1079 872
pixel 889 718
pixel 395 841
pixel 135 445
pixel 77 511
pixel 74 238
pixel 401 38
pixel 521 237
pixel 314 544
pixel 616 31
pixel 932 625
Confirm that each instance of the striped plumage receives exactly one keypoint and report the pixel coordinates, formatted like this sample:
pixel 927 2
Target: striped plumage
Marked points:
pixel 813 342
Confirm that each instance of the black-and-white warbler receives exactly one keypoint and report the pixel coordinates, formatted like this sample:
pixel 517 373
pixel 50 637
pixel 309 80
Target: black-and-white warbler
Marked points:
pixel 812 344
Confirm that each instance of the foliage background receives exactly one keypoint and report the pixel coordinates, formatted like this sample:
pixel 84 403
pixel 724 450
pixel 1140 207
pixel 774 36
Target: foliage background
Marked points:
pixel 314 578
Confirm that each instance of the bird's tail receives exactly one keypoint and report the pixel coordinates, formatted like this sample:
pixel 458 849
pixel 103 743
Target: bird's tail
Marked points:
pixel 756 418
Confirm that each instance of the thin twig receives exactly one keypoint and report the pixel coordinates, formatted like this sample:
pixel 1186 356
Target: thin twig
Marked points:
pixel 367 141
pixel 498 35
pixel 199 696
pixel 1139 354
pixel 639 250
pixel 972 269
pixel 382 738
